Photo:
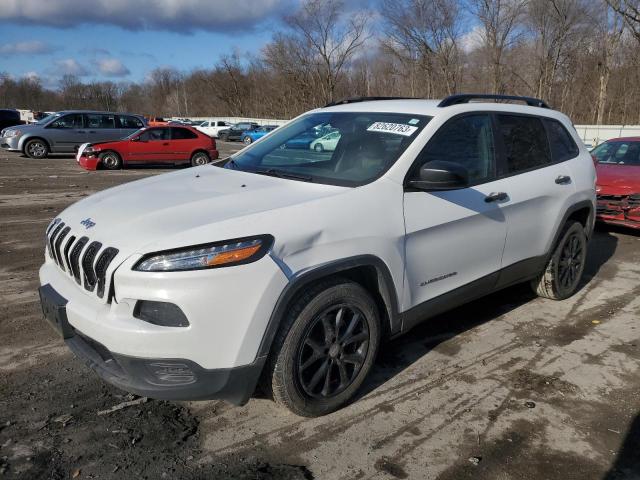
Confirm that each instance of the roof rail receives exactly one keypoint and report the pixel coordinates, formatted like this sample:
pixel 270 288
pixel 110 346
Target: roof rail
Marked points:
pixel 345 101
pixel 466 97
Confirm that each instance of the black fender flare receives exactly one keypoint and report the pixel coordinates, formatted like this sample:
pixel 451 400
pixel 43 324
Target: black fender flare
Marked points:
pixel 298 282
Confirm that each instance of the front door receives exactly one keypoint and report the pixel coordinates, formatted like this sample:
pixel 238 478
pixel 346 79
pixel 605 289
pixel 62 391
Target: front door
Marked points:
pixel 67 133
pixel 456 237
pixel 151 146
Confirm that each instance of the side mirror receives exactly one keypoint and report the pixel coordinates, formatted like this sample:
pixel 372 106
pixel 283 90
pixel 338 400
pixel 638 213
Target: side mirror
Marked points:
pixel 135 139
pixel 440 175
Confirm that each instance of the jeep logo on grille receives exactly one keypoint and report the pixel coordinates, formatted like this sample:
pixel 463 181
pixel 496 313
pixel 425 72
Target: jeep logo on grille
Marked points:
pixel 88 223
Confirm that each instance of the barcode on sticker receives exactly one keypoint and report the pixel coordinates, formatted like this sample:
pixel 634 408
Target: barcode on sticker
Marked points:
pixel 396 128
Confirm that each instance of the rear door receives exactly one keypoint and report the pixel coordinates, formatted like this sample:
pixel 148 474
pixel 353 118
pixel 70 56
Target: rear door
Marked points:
pixel 538 189
pixel 455 237
pixel 67 133
pixel 100 127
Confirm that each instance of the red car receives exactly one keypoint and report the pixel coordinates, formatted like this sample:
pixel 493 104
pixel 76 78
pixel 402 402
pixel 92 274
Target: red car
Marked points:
pixel 168 144
pixel 618 184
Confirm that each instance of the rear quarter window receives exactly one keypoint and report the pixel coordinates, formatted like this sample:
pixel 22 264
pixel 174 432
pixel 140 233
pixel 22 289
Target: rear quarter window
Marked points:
pixel 182 134
pixel 562 145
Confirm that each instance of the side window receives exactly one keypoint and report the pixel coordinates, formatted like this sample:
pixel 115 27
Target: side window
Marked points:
pixel 127 121
pixel 155 134
pixel 467 141
pixel 525 142
pixel 562 145
pixel 182 134
pixel 73 120
pixel 96 120
pixel 222 124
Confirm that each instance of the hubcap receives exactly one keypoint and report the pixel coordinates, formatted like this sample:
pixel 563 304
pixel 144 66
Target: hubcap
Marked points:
pixel 571 262
pixel 37 149
pixel 201 160
pixel 333 351
pixel 110 161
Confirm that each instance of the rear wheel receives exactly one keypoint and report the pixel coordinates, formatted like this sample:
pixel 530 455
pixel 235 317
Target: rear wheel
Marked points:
pixel 325 349
pixel 36 148
pixel 110 160
pixel 563 272
pixel 199 158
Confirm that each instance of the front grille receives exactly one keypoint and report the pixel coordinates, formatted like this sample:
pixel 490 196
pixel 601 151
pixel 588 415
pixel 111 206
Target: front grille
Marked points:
pixel 83 259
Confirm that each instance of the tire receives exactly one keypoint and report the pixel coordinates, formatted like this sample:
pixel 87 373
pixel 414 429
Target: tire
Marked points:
pixel 199 158
pixel 247 140
pixel 224 138
pixel 36 148
pixel 318 147
pixel 312 371
pixel 561 277
pixel 110 160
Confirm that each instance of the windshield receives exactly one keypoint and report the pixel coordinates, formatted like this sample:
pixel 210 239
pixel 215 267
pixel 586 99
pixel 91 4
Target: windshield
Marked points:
pixel 48 118
pixel 137 132
pixel 336 148
pixel 618 153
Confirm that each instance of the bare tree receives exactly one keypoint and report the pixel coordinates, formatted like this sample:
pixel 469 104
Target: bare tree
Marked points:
pixel 323 38
pixel 630 12
pixel 499 20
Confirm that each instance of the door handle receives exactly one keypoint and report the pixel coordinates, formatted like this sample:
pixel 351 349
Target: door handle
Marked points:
pixel 80 131
pixel 563 179
pixel 165 143
pixel 496 197
pixel 92 131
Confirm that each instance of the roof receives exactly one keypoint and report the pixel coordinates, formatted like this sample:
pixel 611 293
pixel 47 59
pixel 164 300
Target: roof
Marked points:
pixel 98 111
pixel 623 139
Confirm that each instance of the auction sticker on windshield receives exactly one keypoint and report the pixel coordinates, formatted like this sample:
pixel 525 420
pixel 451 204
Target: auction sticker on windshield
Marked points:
pixel 395 128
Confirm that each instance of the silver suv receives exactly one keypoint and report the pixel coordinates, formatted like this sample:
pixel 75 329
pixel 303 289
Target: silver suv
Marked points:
pixel 64 132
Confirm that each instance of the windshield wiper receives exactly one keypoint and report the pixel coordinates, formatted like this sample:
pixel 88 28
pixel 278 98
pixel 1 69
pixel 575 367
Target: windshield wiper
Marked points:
pixel 272 172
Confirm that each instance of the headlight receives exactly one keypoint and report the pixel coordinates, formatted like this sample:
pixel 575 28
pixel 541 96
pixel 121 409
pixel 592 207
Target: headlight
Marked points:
pixel 13 133
pixel 90 151
pixel 212 255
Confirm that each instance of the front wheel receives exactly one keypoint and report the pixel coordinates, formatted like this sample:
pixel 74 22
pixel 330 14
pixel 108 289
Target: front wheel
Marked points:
pixel 199 158
pixel 318 147
pixel 563 272
pixel 110 160
pixel 325 349
pixel 247 140
pixel 36 148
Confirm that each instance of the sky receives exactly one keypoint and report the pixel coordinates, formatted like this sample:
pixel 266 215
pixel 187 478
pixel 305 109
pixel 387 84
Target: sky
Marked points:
pixel 123 40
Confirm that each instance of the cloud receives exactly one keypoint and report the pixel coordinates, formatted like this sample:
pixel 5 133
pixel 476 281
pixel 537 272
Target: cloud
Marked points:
pixel 69 66
pixel 32 47
pixel 174 15
pixel 111 67
pixel 33 76
pixel 473 39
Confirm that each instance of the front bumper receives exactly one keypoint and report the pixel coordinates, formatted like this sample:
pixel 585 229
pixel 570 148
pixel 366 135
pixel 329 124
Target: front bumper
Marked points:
pixel 10 143
pixel 621 210
pixel 89 163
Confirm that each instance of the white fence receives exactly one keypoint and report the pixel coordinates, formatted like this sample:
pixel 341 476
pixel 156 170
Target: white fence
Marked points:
pixel 259 121
pixel 593 135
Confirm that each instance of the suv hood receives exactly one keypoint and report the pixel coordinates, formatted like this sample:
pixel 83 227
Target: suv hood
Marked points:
pixel 197 205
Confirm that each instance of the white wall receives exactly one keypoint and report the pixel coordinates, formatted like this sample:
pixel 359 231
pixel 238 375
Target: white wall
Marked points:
pixel 259 121
pixel 596 134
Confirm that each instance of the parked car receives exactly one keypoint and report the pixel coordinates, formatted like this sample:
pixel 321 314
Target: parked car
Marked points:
pixel 290 267
pixel 234 133
pixel 212 127
pixel 9 118
pixel 64 132
pixel 327 142
pixel 251 136
pixel 302 141
pixel 156 121
pixel 153 145
pixel 618 188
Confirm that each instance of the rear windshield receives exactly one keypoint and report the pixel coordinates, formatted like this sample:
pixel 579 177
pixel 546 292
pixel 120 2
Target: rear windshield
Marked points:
pixel 336 148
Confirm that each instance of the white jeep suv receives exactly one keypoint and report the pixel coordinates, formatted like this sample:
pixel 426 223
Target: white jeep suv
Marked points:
pixel 290 265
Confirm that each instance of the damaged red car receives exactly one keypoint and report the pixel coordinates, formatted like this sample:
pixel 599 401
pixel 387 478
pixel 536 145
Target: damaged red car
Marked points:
pixel 150 146
pixel 618 185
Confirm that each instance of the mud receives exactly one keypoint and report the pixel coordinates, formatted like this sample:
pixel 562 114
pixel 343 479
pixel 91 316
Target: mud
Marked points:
pixel 508 387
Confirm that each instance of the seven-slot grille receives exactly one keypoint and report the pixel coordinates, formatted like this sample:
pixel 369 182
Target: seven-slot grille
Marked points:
pixel 84 260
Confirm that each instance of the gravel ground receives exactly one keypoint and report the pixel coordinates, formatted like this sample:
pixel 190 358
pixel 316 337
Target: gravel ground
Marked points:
pixel 508 387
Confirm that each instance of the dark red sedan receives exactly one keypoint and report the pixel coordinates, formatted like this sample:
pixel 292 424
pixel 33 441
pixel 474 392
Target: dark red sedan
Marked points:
pixel 618 184
pixel 150 146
